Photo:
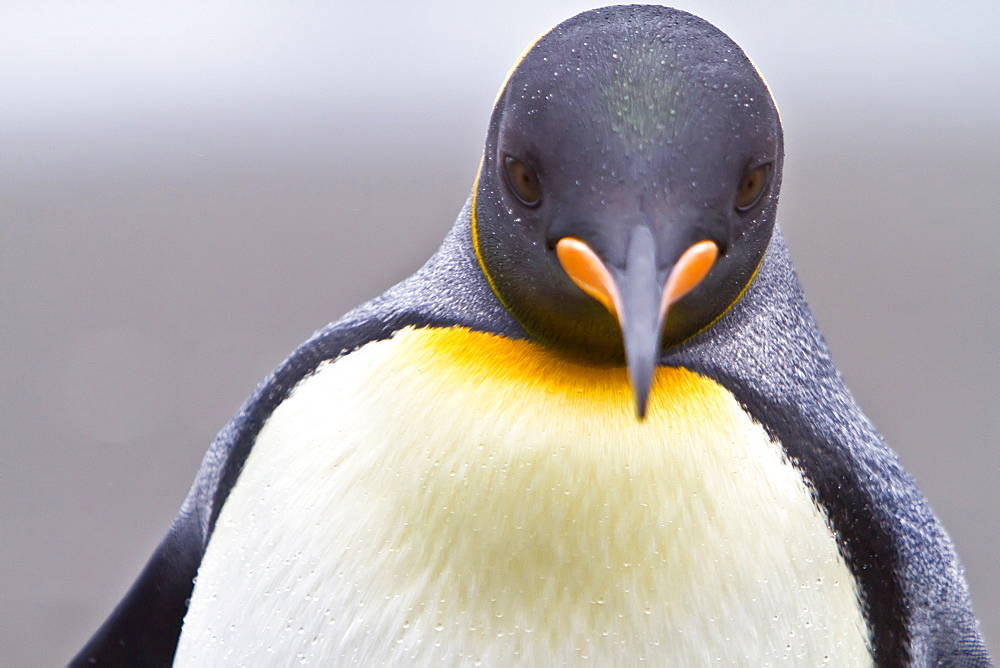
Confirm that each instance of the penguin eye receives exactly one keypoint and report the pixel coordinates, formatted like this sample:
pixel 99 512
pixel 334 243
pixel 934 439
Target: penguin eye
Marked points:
pixel 523 181
pixel 752 186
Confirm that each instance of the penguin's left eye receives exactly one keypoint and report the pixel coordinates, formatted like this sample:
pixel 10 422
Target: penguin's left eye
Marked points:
pixel 523 181
pixel 752 187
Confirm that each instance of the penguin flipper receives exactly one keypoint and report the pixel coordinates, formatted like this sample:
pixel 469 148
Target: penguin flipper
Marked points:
pixel 144 627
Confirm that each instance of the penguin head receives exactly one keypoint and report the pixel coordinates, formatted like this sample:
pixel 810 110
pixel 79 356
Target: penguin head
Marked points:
pixel 628 187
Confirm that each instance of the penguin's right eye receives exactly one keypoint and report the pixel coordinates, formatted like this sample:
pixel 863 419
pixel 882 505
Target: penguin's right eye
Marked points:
pixel 752 187
pixel 523 181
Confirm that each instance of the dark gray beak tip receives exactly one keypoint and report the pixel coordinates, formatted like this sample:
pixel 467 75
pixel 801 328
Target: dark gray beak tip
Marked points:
pixel 640 407
pixel 641 378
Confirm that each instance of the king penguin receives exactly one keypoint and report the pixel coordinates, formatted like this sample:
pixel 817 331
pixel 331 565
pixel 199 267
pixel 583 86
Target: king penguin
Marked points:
pixel 598 426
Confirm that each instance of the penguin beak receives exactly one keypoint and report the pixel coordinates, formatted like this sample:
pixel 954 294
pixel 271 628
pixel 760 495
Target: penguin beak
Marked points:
pixel 638 295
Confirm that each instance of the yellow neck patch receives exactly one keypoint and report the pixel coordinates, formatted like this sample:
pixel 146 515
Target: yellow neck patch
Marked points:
pixel 453 496
pixel 558 384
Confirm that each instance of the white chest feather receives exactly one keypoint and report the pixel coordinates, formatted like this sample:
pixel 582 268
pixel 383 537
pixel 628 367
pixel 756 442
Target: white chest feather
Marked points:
pixel 451 497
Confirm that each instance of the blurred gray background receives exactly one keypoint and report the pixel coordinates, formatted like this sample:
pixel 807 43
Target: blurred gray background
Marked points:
pixel 188 191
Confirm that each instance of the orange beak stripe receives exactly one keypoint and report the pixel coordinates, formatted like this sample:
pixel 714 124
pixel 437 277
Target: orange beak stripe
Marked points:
pixel 688 272
pixel 591 275
pixel 589 272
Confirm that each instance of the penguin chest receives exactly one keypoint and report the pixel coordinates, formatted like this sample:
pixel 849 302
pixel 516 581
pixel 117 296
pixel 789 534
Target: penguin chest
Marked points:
pixel 453 496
